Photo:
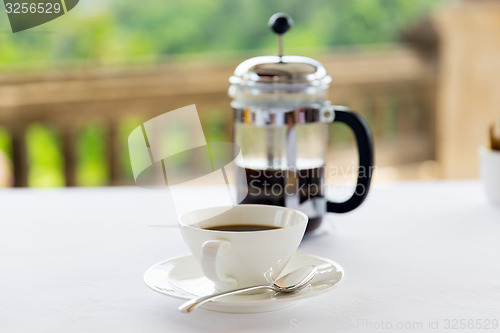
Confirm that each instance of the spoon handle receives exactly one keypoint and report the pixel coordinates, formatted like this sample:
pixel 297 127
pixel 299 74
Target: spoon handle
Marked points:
pixel 192 304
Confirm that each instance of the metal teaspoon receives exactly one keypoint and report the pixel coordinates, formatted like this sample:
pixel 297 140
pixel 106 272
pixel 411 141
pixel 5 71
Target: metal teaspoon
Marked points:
pixel 290 282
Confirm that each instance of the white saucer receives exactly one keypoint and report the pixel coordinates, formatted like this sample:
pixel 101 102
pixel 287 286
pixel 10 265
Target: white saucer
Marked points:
pixel 182 278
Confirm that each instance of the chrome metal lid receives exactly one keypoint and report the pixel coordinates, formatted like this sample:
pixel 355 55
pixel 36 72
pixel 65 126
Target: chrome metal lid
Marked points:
pixel 290 73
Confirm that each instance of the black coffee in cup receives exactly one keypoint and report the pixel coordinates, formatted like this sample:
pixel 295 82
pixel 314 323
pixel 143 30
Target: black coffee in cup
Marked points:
pixel 242 227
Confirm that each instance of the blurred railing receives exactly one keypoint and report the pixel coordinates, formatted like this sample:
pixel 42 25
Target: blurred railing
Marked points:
pixel 393 89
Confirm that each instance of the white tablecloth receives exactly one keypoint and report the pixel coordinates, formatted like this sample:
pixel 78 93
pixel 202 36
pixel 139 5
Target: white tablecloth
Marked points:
pixel 417 256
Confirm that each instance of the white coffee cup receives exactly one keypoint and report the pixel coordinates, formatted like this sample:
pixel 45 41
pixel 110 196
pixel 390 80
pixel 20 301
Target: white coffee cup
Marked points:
pixel 490 173
pixel 235 259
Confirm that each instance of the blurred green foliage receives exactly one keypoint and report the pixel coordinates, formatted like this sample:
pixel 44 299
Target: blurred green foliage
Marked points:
pixel 92 167
pixel 45 158
pixel 5 142
pixel 127 125
pixel 121 30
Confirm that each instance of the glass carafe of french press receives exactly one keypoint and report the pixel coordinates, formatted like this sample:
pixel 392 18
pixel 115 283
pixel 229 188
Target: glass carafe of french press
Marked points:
pixel 281 124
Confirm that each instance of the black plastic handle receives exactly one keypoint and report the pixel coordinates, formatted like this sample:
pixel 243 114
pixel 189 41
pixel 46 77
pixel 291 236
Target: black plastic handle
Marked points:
pixel 364 143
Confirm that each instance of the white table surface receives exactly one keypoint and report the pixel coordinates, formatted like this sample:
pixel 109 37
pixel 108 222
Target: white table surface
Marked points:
pixel 415 254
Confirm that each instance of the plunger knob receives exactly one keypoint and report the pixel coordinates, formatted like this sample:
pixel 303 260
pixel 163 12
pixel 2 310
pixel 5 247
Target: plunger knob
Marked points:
pixel 280 23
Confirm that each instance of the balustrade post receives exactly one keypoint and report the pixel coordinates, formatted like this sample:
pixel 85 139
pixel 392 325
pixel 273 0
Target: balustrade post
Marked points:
pixel 19 157
pixel 113 151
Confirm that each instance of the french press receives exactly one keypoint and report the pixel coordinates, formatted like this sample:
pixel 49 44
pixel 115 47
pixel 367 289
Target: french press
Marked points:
pixel 281 124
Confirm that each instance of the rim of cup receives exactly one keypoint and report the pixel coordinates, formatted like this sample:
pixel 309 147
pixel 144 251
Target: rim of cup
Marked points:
pixel 304 218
